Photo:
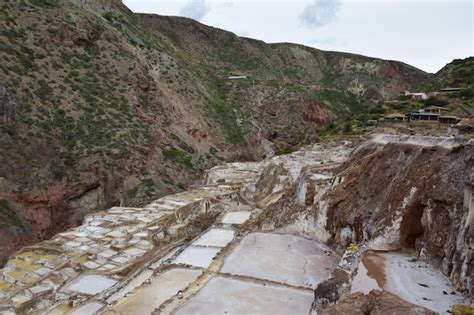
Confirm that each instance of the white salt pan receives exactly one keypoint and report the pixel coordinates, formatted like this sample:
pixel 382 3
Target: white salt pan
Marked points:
pixel 288 259
pixel 229 296
pixel 91 284
pixel 215 237
pixel 88 309
pixel 237 217
pixel 162 287
pixel 197 256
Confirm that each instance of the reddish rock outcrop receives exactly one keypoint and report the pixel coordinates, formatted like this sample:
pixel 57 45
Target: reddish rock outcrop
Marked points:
pixel 317 114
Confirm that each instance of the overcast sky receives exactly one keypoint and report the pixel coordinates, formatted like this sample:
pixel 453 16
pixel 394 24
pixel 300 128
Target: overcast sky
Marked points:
pixel 424 33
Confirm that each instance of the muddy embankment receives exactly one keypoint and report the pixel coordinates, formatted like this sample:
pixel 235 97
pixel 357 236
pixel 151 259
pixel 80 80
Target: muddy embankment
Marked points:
pixel 417 197
pixel 42 212
pixel 403 196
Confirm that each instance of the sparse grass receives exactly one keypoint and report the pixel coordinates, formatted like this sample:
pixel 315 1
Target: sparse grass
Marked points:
pixel 284 151
pixel 179 157
pixel 223 111
pixel 46 3
pixel 109 16
pixel 145 192
pixel 13 35
pixel 43 92
pixel 9 216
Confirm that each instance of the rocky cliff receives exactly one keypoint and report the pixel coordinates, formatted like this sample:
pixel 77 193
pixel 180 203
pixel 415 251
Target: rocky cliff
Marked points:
pixel 393 196
pixel 236 245
pixel 408 196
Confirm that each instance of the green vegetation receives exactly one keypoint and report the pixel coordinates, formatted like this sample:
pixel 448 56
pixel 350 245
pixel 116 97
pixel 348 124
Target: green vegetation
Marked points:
pixel 284 151
pixel 109 16
pixel 213 153
pixel 9 216
pixel 46 3
pixel 183 144
pixel 458 73
pixel 145 192
pixel 467 93
pixel 94 103
pixel 44 91
pixel 179 157
pixel 343 104
pixel 224 111
pixel 435 101
pixel 13 35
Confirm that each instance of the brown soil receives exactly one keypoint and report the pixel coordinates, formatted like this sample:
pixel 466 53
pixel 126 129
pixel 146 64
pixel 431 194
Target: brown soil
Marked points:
pixel 374 303
pixel 421 188
pixel 375 267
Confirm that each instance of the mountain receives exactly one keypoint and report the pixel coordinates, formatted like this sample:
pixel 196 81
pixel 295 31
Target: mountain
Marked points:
pixel 100 106
pixel 458 73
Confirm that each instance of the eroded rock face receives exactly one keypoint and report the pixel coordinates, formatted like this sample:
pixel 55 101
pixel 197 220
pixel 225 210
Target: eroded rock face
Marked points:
pixel 224 227
pixel 271 185
pixel 406 196
pixel 376 302
pixel 410 193
pixel 47 211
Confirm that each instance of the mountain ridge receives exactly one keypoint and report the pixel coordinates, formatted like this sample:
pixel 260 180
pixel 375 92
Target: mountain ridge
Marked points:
pixel 100 106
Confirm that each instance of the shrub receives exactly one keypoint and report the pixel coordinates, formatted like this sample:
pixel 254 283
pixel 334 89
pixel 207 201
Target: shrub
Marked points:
pixel 179 157
pixel 109 16
pixel 347 127
pixel 284 151
pixel 9 216
pixel 435 101
pixel 43 91
pixel 46 3
pixel 468 93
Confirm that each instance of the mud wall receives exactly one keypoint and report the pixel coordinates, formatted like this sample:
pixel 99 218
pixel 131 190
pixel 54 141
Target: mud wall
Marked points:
pixel 407 196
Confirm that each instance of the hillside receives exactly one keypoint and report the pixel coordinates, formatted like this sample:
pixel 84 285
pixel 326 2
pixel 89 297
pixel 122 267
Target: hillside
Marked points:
pixel 458 73
pixel 100 106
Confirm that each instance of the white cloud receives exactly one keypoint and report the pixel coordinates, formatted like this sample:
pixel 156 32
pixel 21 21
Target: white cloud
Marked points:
pixel 424 33
pixel 320 13
pixel 194 9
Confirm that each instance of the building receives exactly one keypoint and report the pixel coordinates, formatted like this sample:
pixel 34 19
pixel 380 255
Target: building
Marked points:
pixel 371 122
pixel 395 117
pixel 417 96
pixel 418 116
pixel 237 77
pixel 430 113
pixel 448 120
pixel 451 90
pixel 433 109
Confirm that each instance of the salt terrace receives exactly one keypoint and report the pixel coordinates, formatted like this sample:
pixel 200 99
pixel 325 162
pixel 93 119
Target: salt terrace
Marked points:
pixel 175 253
pixel 199 251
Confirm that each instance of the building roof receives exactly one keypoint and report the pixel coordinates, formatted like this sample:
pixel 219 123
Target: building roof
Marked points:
pixel 238 77
pixel 425 114
pixel 395 115
pixel 449 89
pixel 435 107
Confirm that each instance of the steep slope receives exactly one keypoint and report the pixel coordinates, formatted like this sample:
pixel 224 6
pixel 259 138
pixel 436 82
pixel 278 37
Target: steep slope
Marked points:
pixel 408 196
pixel 288 83
pixel 458 73
pixel 100 106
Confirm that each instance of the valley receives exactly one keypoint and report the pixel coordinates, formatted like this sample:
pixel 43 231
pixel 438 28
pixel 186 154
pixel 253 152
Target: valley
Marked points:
pixel 253 240
pixel 155 165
